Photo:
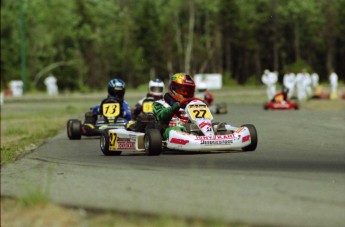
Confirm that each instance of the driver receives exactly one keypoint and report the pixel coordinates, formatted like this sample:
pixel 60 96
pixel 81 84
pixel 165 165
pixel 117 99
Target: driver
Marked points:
pixel 155 91
pixel 116 92
pixel 181 88
pixel 282 96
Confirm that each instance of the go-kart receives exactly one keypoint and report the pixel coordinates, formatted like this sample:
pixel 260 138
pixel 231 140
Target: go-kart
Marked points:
pixel 145 117
pixel 94 127
pixel 219 108
pixel 280 102
pixel 202 135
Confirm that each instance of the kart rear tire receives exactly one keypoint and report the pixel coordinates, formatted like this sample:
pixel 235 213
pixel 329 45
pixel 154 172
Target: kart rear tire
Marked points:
pixel 254 138
pixel 104 144
pixel 153 142
pixel 74 129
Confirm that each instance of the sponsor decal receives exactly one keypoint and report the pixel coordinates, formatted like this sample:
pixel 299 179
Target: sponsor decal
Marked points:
pixel 203 124
pixel 216 142
pixel 216 137
pixel 125 145
pixel 239 130
pixel 245 138
pixel 280 105
pixel 197 106
pixel 123 139
pixel 179 141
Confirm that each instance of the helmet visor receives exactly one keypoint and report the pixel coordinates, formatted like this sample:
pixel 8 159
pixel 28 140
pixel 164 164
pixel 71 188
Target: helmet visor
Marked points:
pixel 185 90
pixel 156 89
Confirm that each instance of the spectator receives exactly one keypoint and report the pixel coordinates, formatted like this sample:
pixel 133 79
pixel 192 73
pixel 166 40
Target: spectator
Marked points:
pixel 333 80
pixel 51 84
pixel 270 80
pixel 289 81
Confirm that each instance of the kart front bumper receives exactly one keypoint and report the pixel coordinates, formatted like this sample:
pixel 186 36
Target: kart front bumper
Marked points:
pixel 187 142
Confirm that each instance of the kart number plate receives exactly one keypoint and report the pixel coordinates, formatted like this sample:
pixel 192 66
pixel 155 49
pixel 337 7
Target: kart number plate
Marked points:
pixel 111 109
pixel 112 141
pixel 199 111
pixel 148 107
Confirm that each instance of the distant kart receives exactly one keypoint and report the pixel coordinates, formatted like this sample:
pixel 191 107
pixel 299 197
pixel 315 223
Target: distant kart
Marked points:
pixel 202 135
pixel 94 127
pixel 219 108
pixel 280 102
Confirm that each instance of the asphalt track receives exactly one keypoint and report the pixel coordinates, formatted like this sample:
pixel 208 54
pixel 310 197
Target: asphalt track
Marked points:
pixel 296 177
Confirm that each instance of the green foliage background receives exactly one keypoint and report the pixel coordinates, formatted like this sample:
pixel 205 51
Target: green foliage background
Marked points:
pixel 84 43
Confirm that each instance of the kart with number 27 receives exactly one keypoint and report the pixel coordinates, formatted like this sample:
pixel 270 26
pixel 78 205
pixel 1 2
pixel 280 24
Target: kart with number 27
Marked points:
pixel 202 135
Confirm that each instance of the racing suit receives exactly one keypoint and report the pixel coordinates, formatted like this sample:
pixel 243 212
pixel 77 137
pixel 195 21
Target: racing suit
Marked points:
pixel 165 112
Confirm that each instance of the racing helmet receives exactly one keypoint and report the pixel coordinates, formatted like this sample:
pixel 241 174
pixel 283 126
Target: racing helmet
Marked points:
pixel 156 88
pixel 181 86
pixel 116 88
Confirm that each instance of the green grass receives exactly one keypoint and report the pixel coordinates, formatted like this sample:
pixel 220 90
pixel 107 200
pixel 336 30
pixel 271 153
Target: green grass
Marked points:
pixel 26 123
pixel 34 197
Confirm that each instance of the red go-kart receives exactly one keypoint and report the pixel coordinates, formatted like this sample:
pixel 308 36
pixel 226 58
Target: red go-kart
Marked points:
pixel 280 102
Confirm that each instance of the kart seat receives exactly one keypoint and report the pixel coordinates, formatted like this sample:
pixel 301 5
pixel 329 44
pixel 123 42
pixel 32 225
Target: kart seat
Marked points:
pixel 193 129
pixel 219 128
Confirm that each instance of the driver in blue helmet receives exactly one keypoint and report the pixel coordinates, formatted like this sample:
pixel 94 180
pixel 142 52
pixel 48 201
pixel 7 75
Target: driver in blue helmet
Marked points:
pixel 116 92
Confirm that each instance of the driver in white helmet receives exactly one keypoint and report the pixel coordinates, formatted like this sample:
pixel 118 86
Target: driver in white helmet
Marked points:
pixel 155 91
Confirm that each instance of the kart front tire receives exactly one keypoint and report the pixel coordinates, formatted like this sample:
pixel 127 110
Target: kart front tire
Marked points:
pixel 153 142
pixel 253 136
pixel 74 129
pixel 104 144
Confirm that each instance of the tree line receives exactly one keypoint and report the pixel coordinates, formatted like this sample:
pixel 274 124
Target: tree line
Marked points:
pixel 84 43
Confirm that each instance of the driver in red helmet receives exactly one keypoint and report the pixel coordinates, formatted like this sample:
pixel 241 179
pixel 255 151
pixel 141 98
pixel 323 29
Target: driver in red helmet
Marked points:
pixel 167 110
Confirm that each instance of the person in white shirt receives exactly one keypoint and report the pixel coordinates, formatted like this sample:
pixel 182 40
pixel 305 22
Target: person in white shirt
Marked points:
pixel 301 95
pixel 315 80
pixel 270 80
pixel 17 87
pixel 52 88
pixel 307 84
pixel 289 81
pixel 333 80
